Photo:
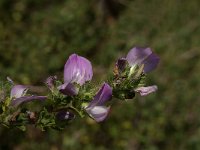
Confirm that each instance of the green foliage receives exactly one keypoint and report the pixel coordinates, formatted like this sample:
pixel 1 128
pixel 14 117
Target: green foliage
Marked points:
pixel 37 36
pixel 46 119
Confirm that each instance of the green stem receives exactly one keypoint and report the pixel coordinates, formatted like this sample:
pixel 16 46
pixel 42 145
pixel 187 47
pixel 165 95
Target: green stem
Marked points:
pixel 76 110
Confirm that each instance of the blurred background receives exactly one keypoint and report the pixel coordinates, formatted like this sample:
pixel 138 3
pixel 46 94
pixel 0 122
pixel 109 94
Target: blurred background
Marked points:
pixel 37 37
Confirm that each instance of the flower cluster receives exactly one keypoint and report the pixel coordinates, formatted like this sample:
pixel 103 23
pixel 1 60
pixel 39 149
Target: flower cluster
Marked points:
pixel 75 96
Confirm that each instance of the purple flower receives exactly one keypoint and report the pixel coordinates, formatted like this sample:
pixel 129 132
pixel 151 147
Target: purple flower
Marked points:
pixel 65 115
pixel 18 91
pixel 77 70
pixel 18 97
pixel 139 56
pixel 96 108
pixel 145 59
pixel 143 56
pixel 25 99
pixel 121 65
pixel 68 89
pixel 146 90
pixel 50 81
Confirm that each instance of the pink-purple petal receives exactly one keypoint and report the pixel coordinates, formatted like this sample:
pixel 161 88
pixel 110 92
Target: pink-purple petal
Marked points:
pixel 98 113
pixel 137 55
pixel 103 95
pixel 77 70
pixel 96 108
pixel 121 64
pixel 18 91
pixel 50 81
pixel 146 90
pixel 24 99
pixel 151 63
pixel 68 89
